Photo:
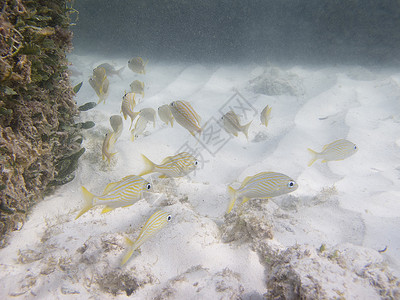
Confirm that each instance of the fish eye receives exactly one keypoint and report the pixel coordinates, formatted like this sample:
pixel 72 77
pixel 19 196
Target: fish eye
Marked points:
pixel 291 184
pixel 148 186
pixel 355 147
pixel 169 218
pixel 172 103
pixel 196 163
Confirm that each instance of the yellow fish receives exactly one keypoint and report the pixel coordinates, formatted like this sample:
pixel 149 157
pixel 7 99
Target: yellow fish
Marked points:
pixel 127 106
pixel 186 116
pixel 137 87
pixel 262 186
pixel 99 82
pixel 265 115
pixel 165 115
pixel 108 143
pixel 122 193
pixel 137 65
pixel 154 224
pixel 172 166
pixel 232 124
pixel 337 150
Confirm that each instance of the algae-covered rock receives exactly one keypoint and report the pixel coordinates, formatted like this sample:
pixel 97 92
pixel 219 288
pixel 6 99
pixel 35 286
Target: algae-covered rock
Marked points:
pixel 36 105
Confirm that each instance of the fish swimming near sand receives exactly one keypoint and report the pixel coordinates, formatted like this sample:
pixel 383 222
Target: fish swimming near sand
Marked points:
pixel 172 166
pixel 99 82
pixel 122 193
pixel 232 124
pixel 262 186
pixel 265 115
pixel 154 224
pixel 149 114
pixel 127 107
pixel 337 150
pixel 139 128
pixel 165 115
pixel 117 125
pixel 110 69
pixel 108 144
pixel 186 116
pixel 137 65
pixel 137 87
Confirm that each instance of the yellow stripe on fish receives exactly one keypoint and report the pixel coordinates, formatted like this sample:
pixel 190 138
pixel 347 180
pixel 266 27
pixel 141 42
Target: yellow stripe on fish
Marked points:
pixel 153 225
pixel 337 150
pixel 127 107
pixel 186 116
pixel 262 185
pixel 122 193
pixel 172 166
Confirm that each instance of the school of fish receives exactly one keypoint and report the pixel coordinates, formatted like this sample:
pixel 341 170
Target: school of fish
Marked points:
pixel 132 188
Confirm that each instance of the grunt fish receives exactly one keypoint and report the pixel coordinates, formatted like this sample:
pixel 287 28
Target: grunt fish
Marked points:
pixel 172 166
pixel 149 114
pixel 127 106
pixel 337 150
pixel 110 69
pixel 186 116
pixel 265 115
pixel 165 115
pixel 139 128
pixel 232 124
pixel 137 87
pixel 122 193
pixel 154 224
pixel 108 143
pixel 137 65
pixel 262 185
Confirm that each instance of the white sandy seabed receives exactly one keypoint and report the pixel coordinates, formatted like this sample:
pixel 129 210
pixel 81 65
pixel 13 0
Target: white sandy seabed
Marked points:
pixel 324 240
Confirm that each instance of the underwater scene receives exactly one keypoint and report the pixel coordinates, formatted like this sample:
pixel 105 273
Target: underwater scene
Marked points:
pixel 221 150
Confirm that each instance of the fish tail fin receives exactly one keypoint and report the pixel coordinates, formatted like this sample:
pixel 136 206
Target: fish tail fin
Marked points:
pixel 245 129
pixel 149 166
pixel 88 197
pixel 172 122
pixel 128 255
pixel 119 72
pixel 314 156
pixel 232 193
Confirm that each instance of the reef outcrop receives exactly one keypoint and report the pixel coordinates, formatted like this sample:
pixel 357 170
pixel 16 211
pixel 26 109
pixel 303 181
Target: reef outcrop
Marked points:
pixel 39 144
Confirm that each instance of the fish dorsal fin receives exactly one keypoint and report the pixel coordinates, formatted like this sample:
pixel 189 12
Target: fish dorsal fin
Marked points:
pixel 126 178
pixel 167 160
pixel 246 180
pixel 107 209
pixel 109 187
pixel 325 147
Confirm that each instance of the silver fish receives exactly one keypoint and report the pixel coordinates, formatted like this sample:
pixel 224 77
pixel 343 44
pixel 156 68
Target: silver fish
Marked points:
pixel 154 224
pixel 137 65
pixel 149 114
pixel 172 166
pixel 186 116
pixel 265 115
pixel 232 124
pixel 117 125
pixel 110 70
pixel 336 150
pixel 165 115
pixel 137 87
pixel 139 128
pixel 262 185
pixel 122 193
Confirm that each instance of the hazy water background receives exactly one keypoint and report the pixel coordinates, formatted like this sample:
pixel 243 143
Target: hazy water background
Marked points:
pixel 345 31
